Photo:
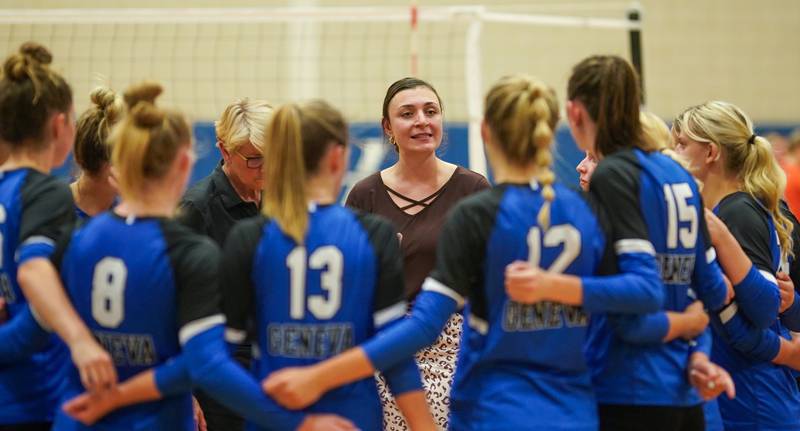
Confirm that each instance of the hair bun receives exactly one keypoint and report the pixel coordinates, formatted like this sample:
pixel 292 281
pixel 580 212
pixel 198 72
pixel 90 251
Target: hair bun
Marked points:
pixel 145 92
pixel 107 101
pixel 19 66
pixel 141 102
pixel 36 52
pixel 146 115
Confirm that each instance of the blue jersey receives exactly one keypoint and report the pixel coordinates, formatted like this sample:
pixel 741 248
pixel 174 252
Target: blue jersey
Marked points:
pixel 518 359
pixel 35 209
pixel 653 205
pixel 767 396
pixel 137 282
pixel 305 303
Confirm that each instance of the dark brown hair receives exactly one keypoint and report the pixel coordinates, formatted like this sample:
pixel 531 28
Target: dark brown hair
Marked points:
pixel 407 83
pixel 92 151
pixel 30 92
pixel 296 139
pixel 608 87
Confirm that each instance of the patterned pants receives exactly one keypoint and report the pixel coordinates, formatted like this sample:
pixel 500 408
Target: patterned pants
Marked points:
pixel 437 364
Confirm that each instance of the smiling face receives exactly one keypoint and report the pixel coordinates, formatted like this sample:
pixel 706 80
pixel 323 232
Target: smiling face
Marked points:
pixel 415 120
pixel 585 168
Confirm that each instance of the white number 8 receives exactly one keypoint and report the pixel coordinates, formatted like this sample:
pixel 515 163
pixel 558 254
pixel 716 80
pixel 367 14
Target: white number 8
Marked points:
pixel 108 292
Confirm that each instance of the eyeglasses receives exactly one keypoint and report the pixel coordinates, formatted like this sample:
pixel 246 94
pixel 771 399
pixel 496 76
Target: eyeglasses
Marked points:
pixel 253 162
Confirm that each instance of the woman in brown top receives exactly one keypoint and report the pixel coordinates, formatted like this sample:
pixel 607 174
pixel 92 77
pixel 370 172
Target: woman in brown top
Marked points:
pixel 415 194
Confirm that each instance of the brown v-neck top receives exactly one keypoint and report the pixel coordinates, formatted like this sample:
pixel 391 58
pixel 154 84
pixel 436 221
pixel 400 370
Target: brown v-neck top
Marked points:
pixel 420 232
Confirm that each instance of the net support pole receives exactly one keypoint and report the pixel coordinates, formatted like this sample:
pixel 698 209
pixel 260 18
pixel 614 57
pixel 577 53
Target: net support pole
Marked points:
pixel 635 37
pixel 474 91
pixel 302 37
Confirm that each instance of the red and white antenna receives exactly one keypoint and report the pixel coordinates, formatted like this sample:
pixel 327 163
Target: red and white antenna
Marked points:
pixel 414 38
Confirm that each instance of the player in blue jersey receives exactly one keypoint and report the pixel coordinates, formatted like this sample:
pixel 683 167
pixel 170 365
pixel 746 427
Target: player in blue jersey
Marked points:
pixel 654 209
pixel 743 185
pixel 352 258
pixel 148 288
pixel 93 190
pixel 520 366
pixel 311 279
pixel 37 124
pixel 708 378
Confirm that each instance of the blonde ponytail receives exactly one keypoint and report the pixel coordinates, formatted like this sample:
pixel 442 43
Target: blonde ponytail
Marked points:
pixel 295 141
pixel 746 156
pixel 285 198
pixel 763 178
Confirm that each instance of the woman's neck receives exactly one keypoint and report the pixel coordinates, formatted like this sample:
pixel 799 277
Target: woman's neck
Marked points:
pixel 42 161
pixel 92 193
pixel 505 172
pixel 245 193
pixel 415 167
pixel 158 203
pixel 716 187
pixel 321 190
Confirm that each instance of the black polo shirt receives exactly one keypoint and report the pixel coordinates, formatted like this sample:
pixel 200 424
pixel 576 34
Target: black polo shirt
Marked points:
pixel 211 206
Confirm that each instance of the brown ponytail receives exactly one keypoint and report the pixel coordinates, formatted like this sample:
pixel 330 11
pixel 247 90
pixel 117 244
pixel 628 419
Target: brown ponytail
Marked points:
pixel 609 89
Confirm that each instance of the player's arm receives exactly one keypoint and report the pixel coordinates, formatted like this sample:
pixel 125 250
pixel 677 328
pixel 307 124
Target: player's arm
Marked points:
pixel 21 337
pixel 47 213
pixel 738 236
pixel 457 261
pixel 759 344
pixel 634 287
pixel 791 316
pixel 661 327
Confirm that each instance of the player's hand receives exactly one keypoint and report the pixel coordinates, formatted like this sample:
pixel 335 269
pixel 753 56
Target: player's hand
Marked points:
pixel 523 282
pixel 730 294
pixel 708 378
pixel 698 320
pixel 199 418
pixel 326 422
pixel 293 387
pixel 3 311
pixel 716 227
pixel 786 289
pixel 95 366
pixel 89 408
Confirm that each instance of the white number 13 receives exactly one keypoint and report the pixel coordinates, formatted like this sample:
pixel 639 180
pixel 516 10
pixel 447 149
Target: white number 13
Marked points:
pixel 328 257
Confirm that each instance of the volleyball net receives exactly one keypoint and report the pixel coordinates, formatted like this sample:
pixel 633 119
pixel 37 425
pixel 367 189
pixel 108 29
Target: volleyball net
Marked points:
pixel 208 57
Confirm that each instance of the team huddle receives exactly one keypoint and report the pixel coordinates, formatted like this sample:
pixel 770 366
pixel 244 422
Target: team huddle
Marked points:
pixel 660 297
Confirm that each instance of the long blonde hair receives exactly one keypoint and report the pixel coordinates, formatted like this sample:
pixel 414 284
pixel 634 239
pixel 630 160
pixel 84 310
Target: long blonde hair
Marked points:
pixel 522 113
pixel 747 156
pixel 243 121
pixel 296 139
pixel 147 140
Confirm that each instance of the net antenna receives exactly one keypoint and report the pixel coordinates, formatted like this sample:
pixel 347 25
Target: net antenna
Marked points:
pixel 207 57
